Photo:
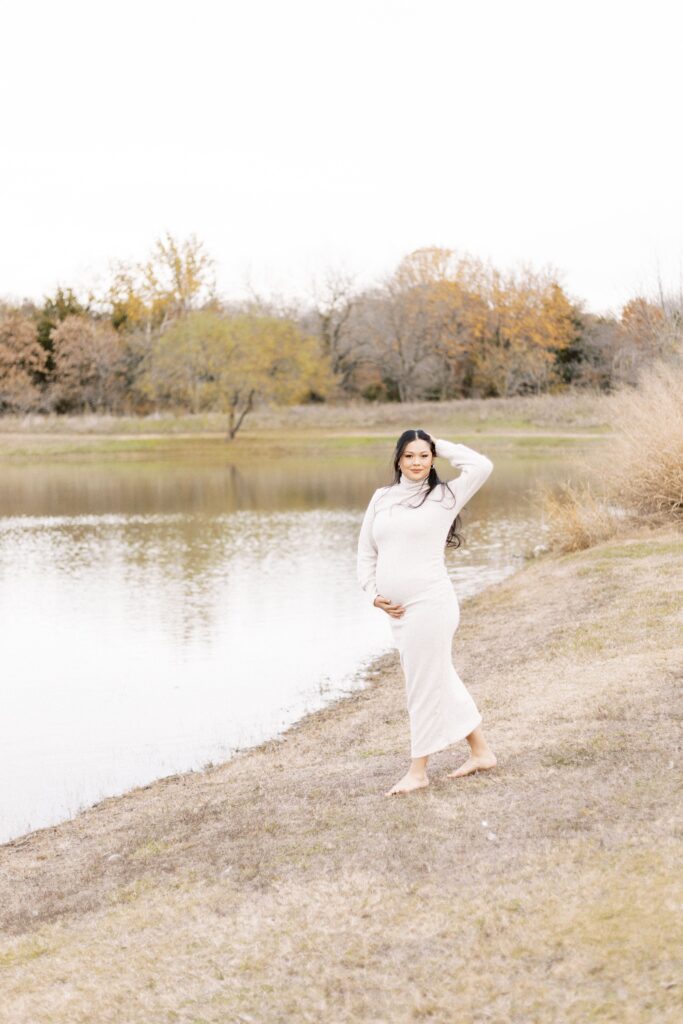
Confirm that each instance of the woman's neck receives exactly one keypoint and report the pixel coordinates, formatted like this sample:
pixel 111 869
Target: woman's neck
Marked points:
pixel 411 485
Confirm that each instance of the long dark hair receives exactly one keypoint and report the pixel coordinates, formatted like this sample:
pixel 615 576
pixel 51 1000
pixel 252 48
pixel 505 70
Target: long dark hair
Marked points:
pixel 454 539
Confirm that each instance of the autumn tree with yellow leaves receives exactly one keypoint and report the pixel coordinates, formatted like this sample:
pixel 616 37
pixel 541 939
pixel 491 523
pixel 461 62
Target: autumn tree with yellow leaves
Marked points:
pixel 531 320
pixel 176 278
pixel 445 326
pixel 445 296
pixel 205 361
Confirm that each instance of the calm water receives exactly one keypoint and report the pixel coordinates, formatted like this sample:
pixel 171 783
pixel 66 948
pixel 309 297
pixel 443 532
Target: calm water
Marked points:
pixel 156 617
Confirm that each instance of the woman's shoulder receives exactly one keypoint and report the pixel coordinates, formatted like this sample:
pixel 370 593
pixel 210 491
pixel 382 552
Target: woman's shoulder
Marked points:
pixel 380 492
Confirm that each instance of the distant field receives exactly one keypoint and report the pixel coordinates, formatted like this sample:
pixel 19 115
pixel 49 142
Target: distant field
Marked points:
pixel 540 422
pixel 576 411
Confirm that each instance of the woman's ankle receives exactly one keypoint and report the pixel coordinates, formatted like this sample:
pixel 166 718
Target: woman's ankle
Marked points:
pixel 481 750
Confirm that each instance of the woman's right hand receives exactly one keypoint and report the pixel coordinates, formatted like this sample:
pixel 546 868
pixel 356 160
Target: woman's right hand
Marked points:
pixel 395 610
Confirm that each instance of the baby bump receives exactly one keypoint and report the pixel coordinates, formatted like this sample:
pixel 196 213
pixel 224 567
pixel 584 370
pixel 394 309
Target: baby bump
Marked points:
pixel 410 590
pixel 401 587
pixel 429 621
pixel 403 579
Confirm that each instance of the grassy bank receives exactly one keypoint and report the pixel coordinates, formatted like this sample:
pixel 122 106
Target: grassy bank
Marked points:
pixel 542 420
pixel 282 886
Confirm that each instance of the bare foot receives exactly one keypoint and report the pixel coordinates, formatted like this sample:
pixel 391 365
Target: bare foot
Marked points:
pixel 408 783
pixel 477 763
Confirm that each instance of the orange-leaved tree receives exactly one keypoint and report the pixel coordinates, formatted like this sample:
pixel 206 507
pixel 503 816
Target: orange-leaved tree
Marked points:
pixel 530 321
pixel 22 362
pixel 90 365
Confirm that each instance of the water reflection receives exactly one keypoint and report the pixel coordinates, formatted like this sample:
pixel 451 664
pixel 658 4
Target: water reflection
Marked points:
pixel 157 620
pixel 183 485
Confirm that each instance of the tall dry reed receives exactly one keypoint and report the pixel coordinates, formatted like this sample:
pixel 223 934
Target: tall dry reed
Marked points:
pixel 639 469
pixel 644 468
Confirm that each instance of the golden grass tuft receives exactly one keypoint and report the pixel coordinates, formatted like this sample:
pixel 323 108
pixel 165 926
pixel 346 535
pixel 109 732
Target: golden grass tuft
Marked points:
pixel 576 518
pixel 639 470
pixel 644 467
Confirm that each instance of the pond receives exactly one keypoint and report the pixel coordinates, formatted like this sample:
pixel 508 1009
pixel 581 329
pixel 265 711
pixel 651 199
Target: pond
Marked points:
pixel 161 616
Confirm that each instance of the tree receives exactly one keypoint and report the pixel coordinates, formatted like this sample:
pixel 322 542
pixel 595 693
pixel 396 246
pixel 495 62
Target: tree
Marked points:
pixel 531 320
pixel 22 362
pixel 601 340
pixel 180 275
pixel 144 299
pixel 647 334
pixel 90 365
pixel 424 322
pixel 206 361
pixel 402 336
pixel 55 310
pixel 176 278
pixel 335 301
pixel 452 293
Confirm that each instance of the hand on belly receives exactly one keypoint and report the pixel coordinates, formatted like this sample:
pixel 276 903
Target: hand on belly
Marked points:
pixel 395 610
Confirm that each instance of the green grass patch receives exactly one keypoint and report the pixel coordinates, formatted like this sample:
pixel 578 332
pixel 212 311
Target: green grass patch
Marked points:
pixel 263 445
pixel 545 440
pixel 24 952
pixel 150 849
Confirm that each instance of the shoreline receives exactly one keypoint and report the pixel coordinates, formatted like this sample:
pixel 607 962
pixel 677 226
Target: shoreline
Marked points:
pixel 33 449
pixel 369 669
pixel 286 871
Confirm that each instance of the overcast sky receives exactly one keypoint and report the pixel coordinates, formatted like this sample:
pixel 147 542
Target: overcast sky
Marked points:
pixel 296 135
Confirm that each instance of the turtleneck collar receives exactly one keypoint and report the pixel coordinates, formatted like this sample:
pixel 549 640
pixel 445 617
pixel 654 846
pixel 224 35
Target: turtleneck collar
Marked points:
pixel 411 485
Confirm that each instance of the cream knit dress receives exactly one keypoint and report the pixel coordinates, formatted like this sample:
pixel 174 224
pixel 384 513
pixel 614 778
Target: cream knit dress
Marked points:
pixel 401 557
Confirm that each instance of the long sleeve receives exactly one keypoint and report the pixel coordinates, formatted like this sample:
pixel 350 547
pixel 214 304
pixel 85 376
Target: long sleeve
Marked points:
pixel 367 553
pixel 474 467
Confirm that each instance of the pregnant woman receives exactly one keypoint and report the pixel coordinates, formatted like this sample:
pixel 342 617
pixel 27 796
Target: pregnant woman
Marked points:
pixel 401 567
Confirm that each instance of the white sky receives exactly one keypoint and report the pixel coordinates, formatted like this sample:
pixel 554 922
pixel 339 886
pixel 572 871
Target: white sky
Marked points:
pixel 295 135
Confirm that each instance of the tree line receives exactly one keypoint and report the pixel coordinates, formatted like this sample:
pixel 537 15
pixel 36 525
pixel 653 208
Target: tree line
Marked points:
pixel 441 326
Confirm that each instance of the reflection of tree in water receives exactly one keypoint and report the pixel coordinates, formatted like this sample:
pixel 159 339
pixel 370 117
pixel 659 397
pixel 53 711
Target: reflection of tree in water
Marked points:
pixel 200 486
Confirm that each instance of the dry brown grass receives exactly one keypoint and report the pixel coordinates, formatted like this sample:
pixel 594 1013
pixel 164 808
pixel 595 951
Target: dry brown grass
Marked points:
pixel 576 517
pixel 644 466
pixel 282 886
pixel 638 471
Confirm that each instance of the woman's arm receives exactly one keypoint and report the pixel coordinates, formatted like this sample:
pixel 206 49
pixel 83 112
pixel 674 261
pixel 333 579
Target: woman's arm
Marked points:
pixel 367 553
pixel 474 467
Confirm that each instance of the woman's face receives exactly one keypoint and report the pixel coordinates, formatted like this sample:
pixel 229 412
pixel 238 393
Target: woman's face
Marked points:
pixel 416 460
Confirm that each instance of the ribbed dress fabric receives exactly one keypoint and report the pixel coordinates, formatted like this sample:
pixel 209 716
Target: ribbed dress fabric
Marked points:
pixel 401 549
